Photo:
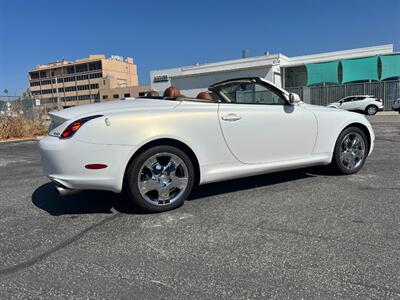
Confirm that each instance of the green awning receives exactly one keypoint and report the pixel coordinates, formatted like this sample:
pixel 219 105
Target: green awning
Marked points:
pixel 390 66
pixel 322 73
pixel 360 69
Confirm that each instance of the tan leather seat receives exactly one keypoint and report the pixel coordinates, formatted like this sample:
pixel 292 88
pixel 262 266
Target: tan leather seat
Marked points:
pixel 172 92
pixel 153 94
pixel 205 96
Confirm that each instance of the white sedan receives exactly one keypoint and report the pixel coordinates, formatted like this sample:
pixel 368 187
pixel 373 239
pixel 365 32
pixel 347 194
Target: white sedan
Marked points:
pixel 367 104
pixel 156 148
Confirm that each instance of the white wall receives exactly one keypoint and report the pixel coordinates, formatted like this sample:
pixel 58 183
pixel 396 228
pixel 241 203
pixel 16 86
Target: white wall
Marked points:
pixel 196 78
pixel 192 85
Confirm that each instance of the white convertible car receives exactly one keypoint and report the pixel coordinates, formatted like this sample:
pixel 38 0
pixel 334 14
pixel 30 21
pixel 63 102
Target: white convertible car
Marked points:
pixel 157 148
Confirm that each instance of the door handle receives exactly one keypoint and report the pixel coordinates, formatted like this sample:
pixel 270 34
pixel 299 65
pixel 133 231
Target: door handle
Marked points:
pixel 231 117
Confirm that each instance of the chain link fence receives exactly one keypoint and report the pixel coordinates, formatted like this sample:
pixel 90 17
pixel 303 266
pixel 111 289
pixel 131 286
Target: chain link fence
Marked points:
pixel 388 91
pixel 20 117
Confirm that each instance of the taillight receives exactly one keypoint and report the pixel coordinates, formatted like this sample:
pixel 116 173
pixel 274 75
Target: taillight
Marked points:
pixel 74 126
pixel 378 99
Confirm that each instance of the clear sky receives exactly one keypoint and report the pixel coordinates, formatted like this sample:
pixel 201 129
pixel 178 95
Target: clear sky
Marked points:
pixel 162 34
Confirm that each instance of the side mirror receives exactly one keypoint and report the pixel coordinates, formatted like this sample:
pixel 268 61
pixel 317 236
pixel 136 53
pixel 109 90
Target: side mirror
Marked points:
pixel 294 98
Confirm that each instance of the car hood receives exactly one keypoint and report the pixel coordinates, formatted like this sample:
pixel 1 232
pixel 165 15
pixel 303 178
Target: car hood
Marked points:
pixel 114 107
pixel 321 108
pixel 334 103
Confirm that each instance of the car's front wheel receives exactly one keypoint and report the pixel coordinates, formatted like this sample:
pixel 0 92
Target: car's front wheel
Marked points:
pixel 351 151
pixel 160 178
pixel 371 110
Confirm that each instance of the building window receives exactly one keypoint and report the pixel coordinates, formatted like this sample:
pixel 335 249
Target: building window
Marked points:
pixel 47 91
pixel 95 65
pixel 71 98
pixel 43 74
pixel 68 79
pixel 35 83
pixel 81 68
pixel 34 75
pixel 105 97
pixel 95 75
pixel 127 95
pixel 60 80
pixel 70 88
pixel 83 97
pixel 94 86
pixel 115 96
pixel 82 77
pixel 45 82
pixel 70 70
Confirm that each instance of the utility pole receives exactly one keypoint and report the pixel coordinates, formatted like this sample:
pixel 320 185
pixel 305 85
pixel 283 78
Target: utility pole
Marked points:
pixel 58 98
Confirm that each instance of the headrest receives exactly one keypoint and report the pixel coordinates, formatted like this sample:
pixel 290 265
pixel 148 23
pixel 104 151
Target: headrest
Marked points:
pixel 172 92
pixel 205 96
pixel 152 94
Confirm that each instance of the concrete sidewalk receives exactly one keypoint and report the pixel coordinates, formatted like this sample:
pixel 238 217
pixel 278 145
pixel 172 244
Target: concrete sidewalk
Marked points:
pixel 387 113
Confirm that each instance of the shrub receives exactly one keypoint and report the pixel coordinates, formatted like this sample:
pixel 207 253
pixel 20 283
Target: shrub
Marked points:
pixel 15 124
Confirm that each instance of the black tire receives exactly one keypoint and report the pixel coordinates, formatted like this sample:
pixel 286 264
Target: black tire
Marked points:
pixel 337 165
pixel 371 110
pixel 132 177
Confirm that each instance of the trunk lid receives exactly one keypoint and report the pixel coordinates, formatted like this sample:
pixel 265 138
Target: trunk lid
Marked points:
pixel 104 108
pixel 59 118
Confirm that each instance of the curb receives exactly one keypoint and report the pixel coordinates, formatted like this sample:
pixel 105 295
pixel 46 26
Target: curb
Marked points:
pixel 387 113
pixel 35 138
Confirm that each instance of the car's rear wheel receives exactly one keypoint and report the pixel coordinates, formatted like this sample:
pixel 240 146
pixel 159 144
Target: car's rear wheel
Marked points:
pixel 160 178
pixel 351 151
pixel 371 110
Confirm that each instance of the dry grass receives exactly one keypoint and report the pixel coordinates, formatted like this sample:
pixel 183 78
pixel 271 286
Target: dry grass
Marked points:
pixel 14 125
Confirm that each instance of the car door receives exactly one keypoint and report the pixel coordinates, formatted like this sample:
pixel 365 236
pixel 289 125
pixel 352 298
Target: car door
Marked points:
pixel 347 103
pixel 356 103
pixel 361 103
pixel 259 126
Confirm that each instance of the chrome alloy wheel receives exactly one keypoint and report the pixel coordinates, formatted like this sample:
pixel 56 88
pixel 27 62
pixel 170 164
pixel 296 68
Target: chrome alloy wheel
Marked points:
pixel 352 152
pixel 163 178
pixel 372 110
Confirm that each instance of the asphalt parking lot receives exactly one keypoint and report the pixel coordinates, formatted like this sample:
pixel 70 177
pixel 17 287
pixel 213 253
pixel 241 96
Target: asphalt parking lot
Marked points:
pixel 297 234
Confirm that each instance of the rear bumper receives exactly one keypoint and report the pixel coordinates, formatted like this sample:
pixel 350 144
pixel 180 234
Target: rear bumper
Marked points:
pixel 372 137
pixel 64 163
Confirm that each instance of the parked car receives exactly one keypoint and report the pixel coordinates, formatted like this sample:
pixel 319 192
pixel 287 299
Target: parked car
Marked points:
pixel 368 104
pixel 396 105
pixel 157 148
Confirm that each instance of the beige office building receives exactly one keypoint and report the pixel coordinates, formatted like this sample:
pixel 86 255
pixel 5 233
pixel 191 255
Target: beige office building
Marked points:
pixel 86 80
